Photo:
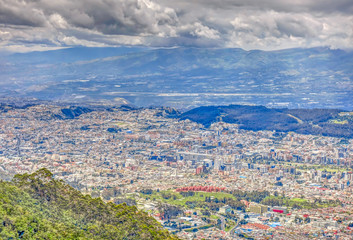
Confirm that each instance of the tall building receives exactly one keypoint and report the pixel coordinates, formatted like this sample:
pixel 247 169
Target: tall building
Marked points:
pixel 218 162
pixel 257 208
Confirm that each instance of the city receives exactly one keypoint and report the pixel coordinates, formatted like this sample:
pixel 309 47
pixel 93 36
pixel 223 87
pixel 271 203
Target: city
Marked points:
pixel 255 184
pixel 169 120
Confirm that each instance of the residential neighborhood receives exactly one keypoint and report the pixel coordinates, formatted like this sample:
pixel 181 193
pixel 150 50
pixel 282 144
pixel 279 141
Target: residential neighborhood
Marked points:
pixel 220 182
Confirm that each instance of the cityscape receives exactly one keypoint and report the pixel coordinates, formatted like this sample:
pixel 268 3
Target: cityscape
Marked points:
pixel 176 120
pixel 145 158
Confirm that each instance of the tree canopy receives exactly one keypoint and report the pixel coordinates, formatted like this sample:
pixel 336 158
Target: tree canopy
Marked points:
pixel 36 206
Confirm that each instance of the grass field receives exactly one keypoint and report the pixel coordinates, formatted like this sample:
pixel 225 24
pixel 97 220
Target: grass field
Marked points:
pixel 230 225
pixel 302 166
pixel 300 200
pixel 214 217
pixel 177 199
pixel 339 122
pixel 303 203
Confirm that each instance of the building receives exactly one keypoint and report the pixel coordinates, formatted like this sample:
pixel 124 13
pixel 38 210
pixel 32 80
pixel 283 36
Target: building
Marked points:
pixel 225 209
pixel 257 208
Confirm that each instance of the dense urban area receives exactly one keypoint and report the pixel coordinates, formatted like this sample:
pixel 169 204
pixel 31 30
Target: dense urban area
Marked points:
pixel 220 182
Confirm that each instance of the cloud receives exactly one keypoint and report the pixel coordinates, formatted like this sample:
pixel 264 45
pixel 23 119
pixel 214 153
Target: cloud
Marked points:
pixel 20 13
pixel 268 30
pixel 321 6
pixel 128 17
pixel 261 24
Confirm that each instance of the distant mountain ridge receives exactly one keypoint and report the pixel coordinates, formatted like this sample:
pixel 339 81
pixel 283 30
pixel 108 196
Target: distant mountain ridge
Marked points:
pixel 184 77
pixel 327 122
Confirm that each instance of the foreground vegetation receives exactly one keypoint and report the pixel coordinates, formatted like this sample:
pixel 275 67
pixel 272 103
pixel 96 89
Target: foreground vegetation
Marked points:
pixel 35 206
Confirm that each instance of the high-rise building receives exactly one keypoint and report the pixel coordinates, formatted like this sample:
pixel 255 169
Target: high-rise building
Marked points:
pixel 257 208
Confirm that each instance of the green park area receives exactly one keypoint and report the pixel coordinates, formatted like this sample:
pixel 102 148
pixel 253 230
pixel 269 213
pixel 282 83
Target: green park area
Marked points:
pixel 300 203
pixel 181 199
pixel 327 168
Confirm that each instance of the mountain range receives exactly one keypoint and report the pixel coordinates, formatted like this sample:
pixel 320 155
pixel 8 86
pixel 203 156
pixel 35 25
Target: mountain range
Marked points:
pixel 183 77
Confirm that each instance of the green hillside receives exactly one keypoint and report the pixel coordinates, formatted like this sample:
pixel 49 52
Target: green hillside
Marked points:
pixel 326 122
pixel 35 206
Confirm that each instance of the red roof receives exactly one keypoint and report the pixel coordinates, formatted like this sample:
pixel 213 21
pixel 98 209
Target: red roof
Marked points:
pixel 257 225
pixel 278 211
pixel 201 188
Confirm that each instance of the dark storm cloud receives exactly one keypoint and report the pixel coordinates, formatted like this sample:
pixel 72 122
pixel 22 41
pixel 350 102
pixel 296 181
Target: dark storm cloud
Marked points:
pixel 325 6
pixel 128 17
pixel 273 24
pixel 20 13
pixel 264 24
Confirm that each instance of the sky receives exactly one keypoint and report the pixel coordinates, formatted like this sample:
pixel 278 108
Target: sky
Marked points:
pixel 27 25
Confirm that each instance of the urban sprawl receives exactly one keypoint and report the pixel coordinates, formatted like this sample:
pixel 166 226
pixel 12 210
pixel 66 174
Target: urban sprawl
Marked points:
pixel 220 182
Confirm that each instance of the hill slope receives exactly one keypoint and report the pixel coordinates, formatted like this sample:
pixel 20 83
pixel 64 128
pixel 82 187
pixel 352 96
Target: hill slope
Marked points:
pixel 327 122
pixel 36 206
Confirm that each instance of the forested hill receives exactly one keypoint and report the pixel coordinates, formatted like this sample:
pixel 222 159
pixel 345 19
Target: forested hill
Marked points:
pixel 327 122
pixel 35 206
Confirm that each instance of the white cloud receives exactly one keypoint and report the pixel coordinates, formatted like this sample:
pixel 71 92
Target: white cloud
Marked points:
pixel 58 21
pixel 198 30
